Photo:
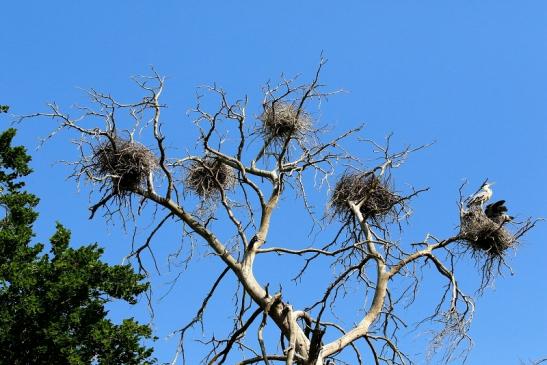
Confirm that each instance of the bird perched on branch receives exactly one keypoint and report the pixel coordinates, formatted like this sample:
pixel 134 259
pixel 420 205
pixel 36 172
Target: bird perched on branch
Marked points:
pixel 482 196
pixel 498 212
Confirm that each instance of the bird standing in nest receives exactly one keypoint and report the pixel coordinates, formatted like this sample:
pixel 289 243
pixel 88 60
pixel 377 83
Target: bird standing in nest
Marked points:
pixel 482 196
pixel 498 212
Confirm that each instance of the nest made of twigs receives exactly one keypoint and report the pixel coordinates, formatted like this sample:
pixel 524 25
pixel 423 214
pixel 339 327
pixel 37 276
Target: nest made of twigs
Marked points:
pixel 483 234
pixel 283 120
pixel 375 194
pixel 208 176
pixel 127 164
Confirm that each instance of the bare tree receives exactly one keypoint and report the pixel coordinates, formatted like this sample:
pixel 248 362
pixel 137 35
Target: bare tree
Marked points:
pixel 239 180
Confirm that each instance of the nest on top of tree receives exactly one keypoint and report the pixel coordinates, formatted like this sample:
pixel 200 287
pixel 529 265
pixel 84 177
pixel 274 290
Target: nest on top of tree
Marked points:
pixel 126 164
pixel 378 200
pixel 283 120
pixel 483 234
pixel 209 176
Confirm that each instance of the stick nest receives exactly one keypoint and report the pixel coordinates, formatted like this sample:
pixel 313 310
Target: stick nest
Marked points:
pixel 126 164
pixel 483 234
pixel 282 120
pixel 207 177
pixel 377 197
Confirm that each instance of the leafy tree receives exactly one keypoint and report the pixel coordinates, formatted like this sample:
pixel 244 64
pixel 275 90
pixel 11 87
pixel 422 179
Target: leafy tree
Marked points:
pixel 52 305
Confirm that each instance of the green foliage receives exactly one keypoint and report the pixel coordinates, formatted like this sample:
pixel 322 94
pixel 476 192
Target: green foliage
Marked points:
pixel 4 108
pixel 52 305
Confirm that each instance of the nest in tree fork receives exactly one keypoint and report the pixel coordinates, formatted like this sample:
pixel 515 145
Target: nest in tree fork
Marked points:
pixel 208 176
pixel 282 120
pixel 126 164
pixel 377 198
pixel 483 234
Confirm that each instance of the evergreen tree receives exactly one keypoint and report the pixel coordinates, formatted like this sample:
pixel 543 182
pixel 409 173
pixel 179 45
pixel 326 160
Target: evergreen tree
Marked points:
pixel 52 304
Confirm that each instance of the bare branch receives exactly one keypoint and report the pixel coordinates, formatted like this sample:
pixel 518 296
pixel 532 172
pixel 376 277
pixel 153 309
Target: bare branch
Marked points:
pixel 247 168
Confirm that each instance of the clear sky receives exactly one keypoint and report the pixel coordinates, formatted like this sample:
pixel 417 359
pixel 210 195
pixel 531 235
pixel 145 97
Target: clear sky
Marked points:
pixel 470 75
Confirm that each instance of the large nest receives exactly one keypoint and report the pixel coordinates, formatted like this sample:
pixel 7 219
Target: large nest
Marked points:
pixel 483 234
pixel 125 163
pixel 208 176
pixel 376 196
pixel 282 120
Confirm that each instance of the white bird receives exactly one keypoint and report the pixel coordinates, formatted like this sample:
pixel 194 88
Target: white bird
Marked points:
pixel 482 196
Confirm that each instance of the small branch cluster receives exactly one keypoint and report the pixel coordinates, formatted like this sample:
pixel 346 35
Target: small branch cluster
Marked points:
pixel 375 194
pixel 208 176
pixel 482 233
pixel 126 164
pixel 487 237
pixel 283 120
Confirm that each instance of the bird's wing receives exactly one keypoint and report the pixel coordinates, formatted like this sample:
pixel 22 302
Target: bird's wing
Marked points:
pixel 499 207
pixel 498 204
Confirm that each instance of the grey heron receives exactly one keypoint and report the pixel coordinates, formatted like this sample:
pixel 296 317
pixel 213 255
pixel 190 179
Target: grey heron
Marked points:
pixel 482 196
pixel 495 209
pixel 497 212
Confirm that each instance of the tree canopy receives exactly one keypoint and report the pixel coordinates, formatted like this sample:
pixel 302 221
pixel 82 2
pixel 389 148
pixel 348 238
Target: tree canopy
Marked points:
pixel 52 302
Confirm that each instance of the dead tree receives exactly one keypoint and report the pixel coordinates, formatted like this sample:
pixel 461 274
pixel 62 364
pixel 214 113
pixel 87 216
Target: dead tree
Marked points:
pixel 240 181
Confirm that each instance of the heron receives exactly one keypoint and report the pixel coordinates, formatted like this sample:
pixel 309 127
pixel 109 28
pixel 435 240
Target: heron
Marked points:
pixel 482 196
pixel 497 212
pixel 504 218
pixel 495 209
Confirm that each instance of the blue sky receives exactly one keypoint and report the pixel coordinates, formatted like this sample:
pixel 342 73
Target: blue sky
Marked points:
pixel 470 75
